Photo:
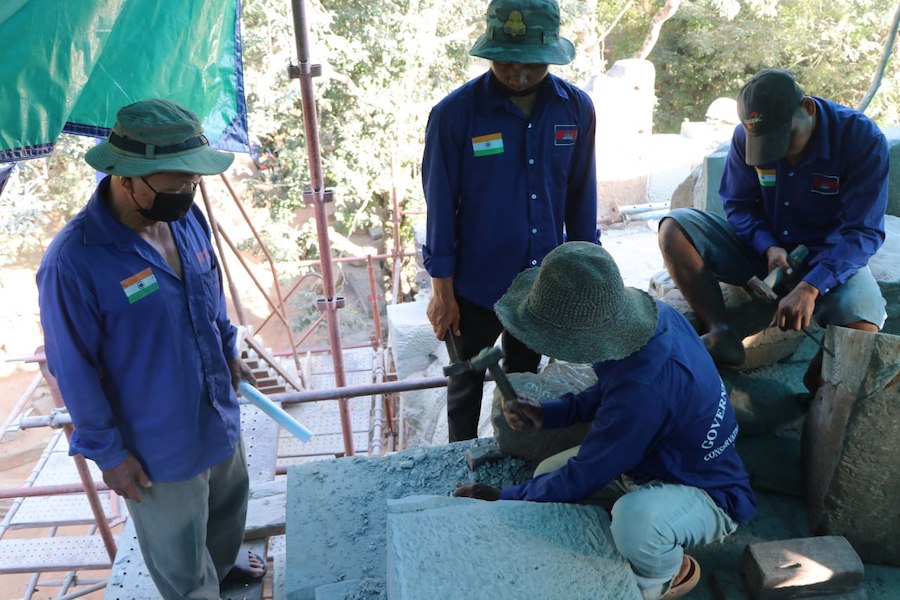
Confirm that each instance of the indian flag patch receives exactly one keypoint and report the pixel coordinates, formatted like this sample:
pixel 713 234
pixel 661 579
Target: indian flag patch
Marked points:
pixel 766 177
pixel 140 285
pixel 485 145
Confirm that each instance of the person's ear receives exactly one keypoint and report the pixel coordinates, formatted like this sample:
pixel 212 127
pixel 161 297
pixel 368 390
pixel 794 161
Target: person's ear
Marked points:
pixel 808 105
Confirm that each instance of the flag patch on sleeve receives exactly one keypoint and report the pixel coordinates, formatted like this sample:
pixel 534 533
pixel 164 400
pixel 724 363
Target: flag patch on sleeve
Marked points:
pixel 140 285
pixel 766 177
pixel 486 145
pixel 565 135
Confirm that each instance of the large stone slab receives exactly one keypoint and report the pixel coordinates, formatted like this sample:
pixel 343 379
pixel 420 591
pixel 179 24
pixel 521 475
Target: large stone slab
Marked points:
pixel 411 337
pixel 437 548
pixel 852 442
pixel 336 510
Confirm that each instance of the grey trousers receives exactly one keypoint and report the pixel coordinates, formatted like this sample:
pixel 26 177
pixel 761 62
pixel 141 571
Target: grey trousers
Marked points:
pixel 190 531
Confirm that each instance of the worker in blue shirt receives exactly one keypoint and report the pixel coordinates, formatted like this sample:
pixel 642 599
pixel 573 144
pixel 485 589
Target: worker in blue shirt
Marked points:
pixel 801 170
pixel 508 173
pixel 138 339
pixel 660 452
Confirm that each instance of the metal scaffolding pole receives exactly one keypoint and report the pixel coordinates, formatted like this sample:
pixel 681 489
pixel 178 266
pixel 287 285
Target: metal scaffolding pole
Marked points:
pixel 317 195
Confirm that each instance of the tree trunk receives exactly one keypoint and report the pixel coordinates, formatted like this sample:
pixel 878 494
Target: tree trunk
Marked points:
pixel 661 16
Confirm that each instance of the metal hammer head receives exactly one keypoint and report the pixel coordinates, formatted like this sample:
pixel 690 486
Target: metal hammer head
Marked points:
pixel 481 361
pixel 762 289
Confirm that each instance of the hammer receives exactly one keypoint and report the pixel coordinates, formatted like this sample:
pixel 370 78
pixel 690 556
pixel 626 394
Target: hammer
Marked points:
pixel 488 358
pixel 765 288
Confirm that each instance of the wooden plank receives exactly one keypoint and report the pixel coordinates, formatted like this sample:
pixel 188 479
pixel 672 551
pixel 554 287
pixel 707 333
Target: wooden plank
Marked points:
pixel 61 553
pixel 266 510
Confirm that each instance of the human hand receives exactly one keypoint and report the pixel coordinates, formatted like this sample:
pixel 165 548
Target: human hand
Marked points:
pixel 526 414
pixel 777 257
pixel 127 478
pixel 240 371
pixel 479 491
pixel 796 309
pixel 443 313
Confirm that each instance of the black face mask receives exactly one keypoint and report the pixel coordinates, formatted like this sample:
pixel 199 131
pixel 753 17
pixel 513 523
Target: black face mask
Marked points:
pixel 505 89
pixel 167 207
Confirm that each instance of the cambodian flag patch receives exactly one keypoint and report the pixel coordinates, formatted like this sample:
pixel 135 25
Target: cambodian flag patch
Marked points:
pixel 825 184
pixel 565 135
pixel 139 285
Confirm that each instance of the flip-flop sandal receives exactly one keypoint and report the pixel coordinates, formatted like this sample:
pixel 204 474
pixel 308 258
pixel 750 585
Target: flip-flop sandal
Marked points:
pixel 241 571
pixel 687 579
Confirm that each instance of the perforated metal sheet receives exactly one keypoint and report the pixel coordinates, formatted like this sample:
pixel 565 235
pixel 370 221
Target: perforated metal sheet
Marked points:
pixel 260 436
pixel 60 469
pixel 71 509
pixel 61 553
pixel 129 579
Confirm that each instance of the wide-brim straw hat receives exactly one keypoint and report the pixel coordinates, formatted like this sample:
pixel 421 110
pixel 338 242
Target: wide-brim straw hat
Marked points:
pixel 157 135
pixel 524 31
pixel 574 307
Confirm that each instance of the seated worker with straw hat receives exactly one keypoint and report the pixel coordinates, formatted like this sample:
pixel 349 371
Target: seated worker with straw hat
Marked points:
pixel 660 452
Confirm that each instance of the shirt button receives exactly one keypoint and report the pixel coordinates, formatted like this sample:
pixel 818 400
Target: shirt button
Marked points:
pixel 791 173
pixel 529 126
pixel 787 203
pixel 785 232
pixel 534 262
pixel 534 196
pixel 534 230
pixel 530 161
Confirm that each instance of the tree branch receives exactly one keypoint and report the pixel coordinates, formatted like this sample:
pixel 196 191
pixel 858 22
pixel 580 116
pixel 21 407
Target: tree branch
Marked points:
pixel 661 16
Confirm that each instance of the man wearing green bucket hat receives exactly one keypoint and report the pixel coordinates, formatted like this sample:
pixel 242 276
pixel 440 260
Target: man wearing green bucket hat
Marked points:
pixel 660 453
pixel 138 338
pixel 508 173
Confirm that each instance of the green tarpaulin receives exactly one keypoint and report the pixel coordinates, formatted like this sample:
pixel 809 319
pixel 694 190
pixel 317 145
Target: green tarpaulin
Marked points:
pixel 69 65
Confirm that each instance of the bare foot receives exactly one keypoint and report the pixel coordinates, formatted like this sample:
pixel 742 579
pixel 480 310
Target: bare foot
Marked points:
pixel 724 346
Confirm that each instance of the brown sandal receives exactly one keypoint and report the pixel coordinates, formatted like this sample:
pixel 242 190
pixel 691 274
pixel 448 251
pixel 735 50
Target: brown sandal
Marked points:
pixel 687 579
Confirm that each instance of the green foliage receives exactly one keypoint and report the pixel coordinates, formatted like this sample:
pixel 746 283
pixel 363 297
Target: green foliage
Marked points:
pixel 710 47
pixel 41 196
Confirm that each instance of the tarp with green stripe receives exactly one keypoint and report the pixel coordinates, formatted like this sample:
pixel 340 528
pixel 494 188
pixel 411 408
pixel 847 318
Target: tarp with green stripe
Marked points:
pixel 69 65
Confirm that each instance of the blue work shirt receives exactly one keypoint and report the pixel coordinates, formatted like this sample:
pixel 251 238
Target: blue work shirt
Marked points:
pixel 833 201
pixel 660 414
pixel 500 186
pixel 140 355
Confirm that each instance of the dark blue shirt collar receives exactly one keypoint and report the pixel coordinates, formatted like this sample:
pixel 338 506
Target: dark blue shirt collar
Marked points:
pixel 101 227
pixel 493 99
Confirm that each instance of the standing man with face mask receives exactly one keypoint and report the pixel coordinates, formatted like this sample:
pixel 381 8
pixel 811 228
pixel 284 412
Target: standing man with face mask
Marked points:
pixel 136 334
pixel 509 174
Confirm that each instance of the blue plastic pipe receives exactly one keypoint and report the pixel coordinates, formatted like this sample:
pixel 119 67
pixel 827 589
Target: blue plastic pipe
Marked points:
pixel 276 412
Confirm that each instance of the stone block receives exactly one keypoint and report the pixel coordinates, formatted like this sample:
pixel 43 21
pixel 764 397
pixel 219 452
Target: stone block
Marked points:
pixel 884 266
pixel 893 138
pixel 555 380
pixel 851 444
pixel 336 510
pixel 763 402
pixel 802 568
pixel 411 337
pixel 437 548
pixel 372 589
pixel 706 193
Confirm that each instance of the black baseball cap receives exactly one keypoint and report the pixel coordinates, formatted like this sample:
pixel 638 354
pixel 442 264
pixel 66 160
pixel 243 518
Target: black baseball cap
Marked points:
pixel 766 106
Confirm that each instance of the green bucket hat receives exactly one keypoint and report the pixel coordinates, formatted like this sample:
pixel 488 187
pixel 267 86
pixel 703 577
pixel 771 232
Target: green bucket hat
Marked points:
pixel 157 135
pixel 524 31
pixel 574 307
